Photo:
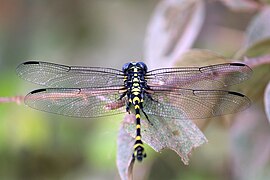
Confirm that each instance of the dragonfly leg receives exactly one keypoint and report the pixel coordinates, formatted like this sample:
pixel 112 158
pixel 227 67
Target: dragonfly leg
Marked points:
pixel 122 95
pixel 141 105
pixel 146 116
pixel 150 97
pixel 128 106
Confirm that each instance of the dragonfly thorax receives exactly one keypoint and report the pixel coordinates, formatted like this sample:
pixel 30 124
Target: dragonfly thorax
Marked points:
pixel 135 82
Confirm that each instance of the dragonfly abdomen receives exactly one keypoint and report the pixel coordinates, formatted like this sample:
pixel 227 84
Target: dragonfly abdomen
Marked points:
pixel 138 146
pixel 135 98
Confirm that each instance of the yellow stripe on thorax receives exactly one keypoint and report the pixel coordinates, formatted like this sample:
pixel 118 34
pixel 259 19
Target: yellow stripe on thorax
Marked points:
pixel 135 89
pixel 136 93
pixel 135 80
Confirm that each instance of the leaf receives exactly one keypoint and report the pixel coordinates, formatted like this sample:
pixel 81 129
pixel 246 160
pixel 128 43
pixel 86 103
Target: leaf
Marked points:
pixel 200 57
pixel 17 99
pixel 258 29
pixel 267 101
pixel 172 30
pixel 250 146
pixel 124 154
pixel 257 84
pixel 179 135
pixel 241 5
pixel 258 49
pixel 265 1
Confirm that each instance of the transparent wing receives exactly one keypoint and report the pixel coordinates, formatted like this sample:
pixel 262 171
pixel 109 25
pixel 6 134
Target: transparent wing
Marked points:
pixel 75 102
pixel 61 76
pixel 194 104
pixel 208 77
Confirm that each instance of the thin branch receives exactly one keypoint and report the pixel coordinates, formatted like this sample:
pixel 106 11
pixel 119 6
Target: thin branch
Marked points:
pixel 17 99
pixel 256 61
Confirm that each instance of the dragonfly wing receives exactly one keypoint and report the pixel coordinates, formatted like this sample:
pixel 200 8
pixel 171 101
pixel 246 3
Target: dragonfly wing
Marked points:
pixel 75 102
pixel 194 104
pixel 208 77
pixel 61 76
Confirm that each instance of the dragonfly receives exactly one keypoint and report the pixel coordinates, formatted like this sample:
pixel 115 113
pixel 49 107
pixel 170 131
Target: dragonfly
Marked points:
pixel 198 92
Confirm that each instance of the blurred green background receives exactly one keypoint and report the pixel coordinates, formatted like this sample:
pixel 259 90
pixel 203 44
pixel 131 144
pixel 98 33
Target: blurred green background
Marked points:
pixel 38 145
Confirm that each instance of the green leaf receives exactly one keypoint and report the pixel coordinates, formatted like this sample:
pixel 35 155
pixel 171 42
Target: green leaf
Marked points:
pixel 200 57
pixel 258 49
pixel 265 1
pixel 267 101
pixel 172 30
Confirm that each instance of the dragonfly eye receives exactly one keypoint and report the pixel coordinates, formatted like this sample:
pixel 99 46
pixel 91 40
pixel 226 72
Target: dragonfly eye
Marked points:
pixel 126 66
pixel 142 65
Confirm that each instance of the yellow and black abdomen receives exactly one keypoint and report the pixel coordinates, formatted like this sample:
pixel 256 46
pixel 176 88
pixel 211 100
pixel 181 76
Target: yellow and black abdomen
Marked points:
pixel 136 100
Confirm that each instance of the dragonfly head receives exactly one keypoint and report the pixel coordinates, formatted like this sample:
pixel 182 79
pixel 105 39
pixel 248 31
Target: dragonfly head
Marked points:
pixel 141 66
